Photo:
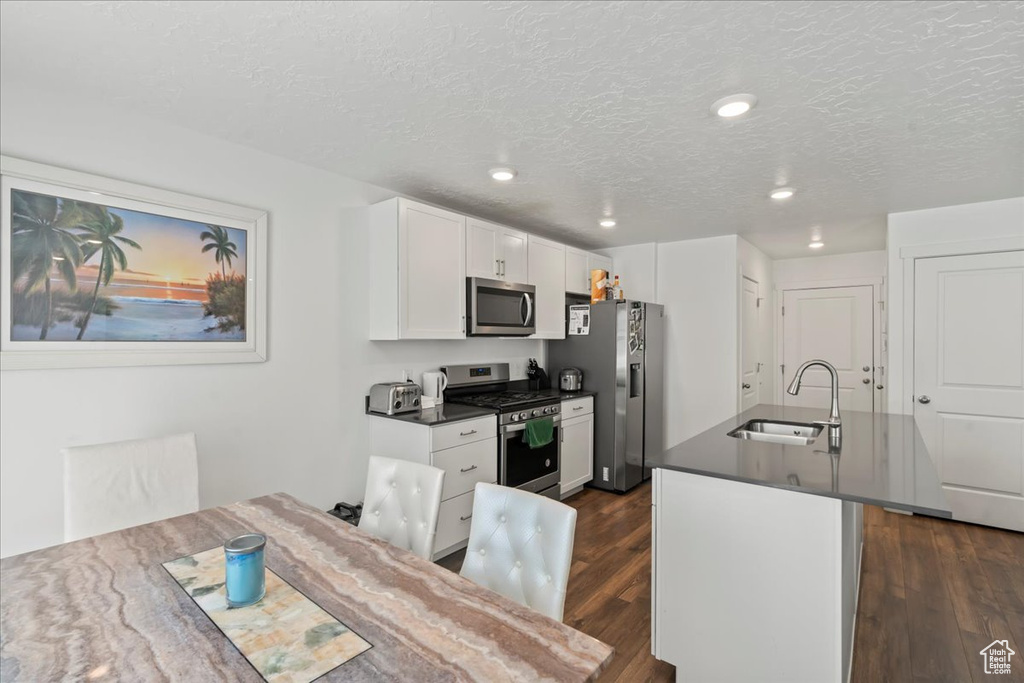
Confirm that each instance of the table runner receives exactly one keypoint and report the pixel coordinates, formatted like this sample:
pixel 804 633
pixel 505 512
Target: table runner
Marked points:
pixel 285 636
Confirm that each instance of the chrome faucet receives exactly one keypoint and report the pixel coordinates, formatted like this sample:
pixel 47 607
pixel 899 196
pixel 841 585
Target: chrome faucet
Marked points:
pixel 794 388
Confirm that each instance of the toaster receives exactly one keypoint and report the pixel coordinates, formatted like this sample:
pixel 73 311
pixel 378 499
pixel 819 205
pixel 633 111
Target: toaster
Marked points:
pixel 392 398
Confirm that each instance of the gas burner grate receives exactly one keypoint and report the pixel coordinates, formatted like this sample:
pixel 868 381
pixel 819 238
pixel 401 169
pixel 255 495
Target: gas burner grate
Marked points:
pixel 502 399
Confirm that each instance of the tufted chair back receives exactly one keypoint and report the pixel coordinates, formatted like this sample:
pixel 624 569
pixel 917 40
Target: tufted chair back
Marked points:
pixel 401 504
pixel 520 545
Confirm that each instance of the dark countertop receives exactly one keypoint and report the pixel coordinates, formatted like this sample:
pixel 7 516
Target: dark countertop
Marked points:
pixel 442 414
pixel 882 459
pixel 567 395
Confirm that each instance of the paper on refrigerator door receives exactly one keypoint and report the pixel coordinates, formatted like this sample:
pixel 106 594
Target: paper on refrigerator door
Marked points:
pixel 579 320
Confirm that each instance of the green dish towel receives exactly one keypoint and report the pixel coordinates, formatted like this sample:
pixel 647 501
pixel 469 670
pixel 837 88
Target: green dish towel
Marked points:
pixel 539 432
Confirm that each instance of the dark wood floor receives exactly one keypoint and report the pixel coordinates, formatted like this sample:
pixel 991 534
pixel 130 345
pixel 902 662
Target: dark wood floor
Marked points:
pixel 933 593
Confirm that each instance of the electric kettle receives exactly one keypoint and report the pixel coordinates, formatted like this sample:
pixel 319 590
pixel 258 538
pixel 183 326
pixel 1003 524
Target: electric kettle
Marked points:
pixel 434 384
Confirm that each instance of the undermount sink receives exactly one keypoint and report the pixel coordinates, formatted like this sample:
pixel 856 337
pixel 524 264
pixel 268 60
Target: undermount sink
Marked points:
pixel 788 433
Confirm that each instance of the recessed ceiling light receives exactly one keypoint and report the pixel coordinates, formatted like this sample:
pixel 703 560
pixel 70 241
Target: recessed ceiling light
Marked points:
pixel 503 174
pixel 816 245
pixel 608 223
pixel 782 193
pixel 734 105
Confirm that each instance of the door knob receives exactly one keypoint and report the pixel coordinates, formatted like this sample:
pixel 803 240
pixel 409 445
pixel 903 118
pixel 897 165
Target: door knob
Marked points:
pixel 866 380
pixel 746 386
pixel 923 399
pixel 879 386
pixel 867 368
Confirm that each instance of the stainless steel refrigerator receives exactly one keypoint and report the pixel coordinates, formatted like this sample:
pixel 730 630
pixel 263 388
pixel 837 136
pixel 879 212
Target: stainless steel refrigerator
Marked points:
pixel 622 359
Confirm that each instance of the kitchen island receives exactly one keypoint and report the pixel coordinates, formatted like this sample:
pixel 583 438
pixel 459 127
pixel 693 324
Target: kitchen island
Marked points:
pixel 757 543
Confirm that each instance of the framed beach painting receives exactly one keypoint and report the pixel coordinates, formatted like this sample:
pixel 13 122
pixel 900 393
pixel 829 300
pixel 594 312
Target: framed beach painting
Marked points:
pixel 100 272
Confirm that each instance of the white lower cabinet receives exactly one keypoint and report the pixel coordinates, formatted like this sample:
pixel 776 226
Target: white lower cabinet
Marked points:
pixel 577 443
pixel 453 524
pixel 467 451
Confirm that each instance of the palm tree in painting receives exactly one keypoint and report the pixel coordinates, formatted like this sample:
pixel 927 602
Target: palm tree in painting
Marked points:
pixel 41 241
pixel 100 236
pixel 220 242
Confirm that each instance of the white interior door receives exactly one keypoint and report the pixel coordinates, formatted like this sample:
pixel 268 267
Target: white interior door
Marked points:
pixel 750 343
pixel 835 324
pixel 969 381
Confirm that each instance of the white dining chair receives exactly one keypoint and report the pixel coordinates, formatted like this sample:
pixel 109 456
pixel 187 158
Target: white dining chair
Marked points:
pixel 402 502
pixel 113 486
pixel 520 545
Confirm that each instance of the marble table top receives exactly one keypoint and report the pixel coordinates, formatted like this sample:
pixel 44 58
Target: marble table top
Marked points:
pixel 104 608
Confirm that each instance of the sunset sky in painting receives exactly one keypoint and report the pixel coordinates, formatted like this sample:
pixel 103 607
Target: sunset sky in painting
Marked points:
pixel 171 250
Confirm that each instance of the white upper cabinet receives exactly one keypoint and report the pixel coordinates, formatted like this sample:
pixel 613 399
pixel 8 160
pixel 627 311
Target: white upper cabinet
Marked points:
pixel 417 273
pixel 546 260
pixel 597 261
pixel 514 256
pixel 577 272
pixel 495 252
pixel 578 264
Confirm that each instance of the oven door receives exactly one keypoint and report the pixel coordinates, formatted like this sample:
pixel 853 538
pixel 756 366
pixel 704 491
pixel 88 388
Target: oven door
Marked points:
pixel 496 308
pixel 530 469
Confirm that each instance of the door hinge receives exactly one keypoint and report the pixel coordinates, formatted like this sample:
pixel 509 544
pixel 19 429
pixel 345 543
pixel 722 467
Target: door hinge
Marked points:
pixel 783 367
pixel 759 300
pixel 783 310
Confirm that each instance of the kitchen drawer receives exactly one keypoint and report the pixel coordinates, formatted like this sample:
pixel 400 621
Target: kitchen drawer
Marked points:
pixel 576 407
pixel 467 431
pixel 453 521
pixel 465 465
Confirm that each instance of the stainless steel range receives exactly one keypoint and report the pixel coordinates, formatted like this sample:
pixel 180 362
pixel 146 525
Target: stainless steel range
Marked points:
pixel 487 386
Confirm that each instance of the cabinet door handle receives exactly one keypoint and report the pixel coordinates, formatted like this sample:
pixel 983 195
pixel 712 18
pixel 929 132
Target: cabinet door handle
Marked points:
pixel 746 386
pixel 469 433
pixel 578 408
pixel 503 267
pixel 463 519
pixel 497 267
pixel 467 469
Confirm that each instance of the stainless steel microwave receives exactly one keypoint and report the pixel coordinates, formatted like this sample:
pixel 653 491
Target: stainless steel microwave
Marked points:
pixel 495 308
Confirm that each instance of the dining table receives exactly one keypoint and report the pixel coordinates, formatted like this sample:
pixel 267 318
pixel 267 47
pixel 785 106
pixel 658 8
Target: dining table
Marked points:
pixel 106 608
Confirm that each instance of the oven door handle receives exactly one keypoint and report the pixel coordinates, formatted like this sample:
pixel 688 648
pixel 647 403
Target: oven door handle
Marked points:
pixel 521 426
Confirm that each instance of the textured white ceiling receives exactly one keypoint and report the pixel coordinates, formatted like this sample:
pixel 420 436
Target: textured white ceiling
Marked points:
pixel 865 107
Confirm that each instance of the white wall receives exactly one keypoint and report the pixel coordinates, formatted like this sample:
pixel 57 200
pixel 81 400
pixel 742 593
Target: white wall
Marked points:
pixel 294 423
pixel 831 267
pixel 697 284
pixel 637 267
pixel 945 225
pixel 756 265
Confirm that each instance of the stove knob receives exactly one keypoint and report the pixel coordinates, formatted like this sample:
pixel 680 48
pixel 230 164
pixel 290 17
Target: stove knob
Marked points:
pixel 515 417
pixel 536 412
pixel 549 410
pixel 523 416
